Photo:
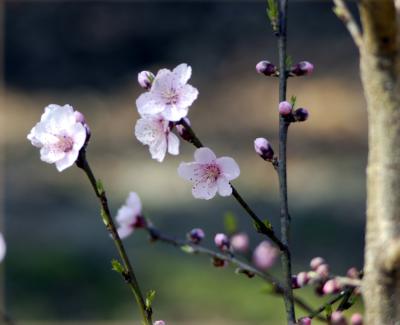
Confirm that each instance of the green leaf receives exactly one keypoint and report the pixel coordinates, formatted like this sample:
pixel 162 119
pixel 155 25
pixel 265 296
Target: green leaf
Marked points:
pixel 288 62
pixel 100 187
pixel 230 223
pixel 260 227
pixel 104 216
pixel 187 249
pixel 149 298
pixel 328 311
pixel 117 266
pixel 293 101
pixel 273 14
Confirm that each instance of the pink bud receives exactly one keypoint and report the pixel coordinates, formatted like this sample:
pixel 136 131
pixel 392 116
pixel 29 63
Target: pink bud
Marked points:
pixel 182 131
pixel 301 114
pixel 353 273
pixel 323 270
pixel 304 321
pixel 240 242
pixel 263 149
pixel 266 68
pixel 302 279
pixel 196 235
pixel 264 255
pixel 315 262
pixel 79 117
pixel 337 318
pixel 356 319
pixel 285 108
pixel 145 79
pixel 222 241
pixel 302 68
pixel 331 286
pixel 159 322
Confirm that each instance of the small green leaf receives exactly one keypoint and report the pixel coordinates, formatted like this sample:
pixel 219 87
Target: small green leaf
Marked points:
pixel 104 216
pixel 187 249
pixel 149 298
pixel 100 187
pixel 328 311
pixel 230 223
pixel 261 227
pixel 117 266
pixel 288 62
pixel 293 101
pixel 273 14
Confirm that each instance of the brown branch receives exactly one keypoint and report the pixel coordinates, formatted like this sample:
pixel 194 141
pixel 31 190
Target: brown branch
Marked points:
pixel 342 11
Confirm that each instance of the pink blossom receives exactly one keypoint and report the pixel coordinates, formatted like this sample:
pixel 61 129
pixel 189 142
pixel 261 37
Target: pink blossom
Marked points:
pixel 285 108
pixel 323 270
pixel 159 322
pixel 59 136
pixel 240 242
pixel 356 319
pixel 302 279
pixel 337 318
pixel 129 216
pixel 154 131
pixel 331 286
pixel 264 255
pixel 208 174
pixel 169 94
pixel 222 241
pixel 315 262
pixel 2 247
pixel 305 321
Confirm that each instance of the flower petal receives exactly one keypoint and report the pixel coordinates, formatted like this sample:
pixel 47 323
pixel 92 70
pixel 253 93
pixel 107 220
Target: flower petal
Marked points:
pixel 133 201
pixel 224 188
pixel 188 94
pixel 68 160
pixel 173 144
pixel 182 73
pixel 229 167
pixel 189 171
pixel 158 149
pixel 124 231
pixel 204 155
pixel 2 247
pixel 174 113
pixel 204 190
pixel 148 104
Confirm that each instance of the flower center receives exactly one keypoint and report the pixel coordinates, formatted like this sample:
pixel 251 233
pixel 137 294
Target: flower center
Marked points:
pixel 211 173
pixel 171 96
pixel 65 143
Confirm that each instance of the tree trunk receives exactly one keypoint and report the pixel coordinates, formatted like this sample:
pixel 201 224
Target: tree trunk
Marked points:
pixel 380 72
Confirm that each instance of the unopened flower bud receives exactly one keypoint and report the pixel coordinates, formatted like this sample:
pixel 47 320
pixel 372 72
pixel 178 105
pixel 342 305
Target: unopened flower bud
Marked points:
pixel 323 270
pixel 217 262
pixel 182 130
pixel 196 235
pixel 240 242
pixel 266 68
pixel 145 79
pixel 222 241
pixel 264 255
pixel 301 114
pixel 337 318
pixel 302 68
pixel 305 321
pixel 316 262
pixel 331 286
pixel 263 149
pixel 356 319
pixel 353 273
pixel 285 108
pixel 79 117
pixel 159 322
pixel 302 279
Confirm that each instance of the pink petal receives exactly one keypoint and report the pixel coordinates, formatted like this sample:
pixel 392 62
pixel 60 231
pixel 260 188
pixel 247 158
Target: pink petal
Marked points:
pixel 189 171
pixel 148 104
pixel 174 113
pixel 124 231
pixel 204 190
pixel 68 160
pixel 159 149
pixel 229 167
pixel 204 155
pixel 187 95
pixel 182 73
pixel 224 188
pixel 133 201
pixel 173 144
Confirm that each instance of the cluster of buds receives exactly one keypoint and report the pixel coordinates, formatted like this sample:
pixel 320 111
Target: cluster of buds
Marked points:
pixel 320 277
pixel 269 69
pixel 336 318
pixel 286 110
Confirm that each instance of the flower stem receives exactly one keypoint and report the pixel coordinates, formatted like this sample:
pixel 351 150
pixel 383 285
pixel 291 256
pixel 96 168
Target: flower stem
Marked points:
pixel 128 273
pixel 283 193
pixel 261 226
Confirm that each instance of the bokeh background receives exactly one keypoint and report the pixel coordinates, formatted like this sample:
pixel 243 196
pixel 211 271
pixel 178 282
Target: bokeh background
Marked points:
pixel 88 54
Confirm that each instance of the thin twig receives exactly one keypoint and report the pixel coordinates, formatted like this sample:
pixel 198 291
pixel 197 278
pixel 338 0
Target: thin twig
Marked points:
pixel 342 11
pixel 156 235
pixel 283 192
pixel 330 302
pixel 261 226
pixel 128 274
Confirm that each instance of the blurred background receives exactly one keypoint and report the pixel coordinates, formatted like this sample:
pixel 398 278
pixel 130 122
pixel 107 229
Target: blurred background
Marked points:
pixel 88 54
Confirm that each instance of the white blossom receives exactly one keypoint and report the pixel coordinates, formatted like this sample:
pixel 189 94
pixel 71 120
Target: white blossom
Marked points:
pixel 129 216
pixel 169 94
pixel 208 174
pixel 59 135
pixel 155 132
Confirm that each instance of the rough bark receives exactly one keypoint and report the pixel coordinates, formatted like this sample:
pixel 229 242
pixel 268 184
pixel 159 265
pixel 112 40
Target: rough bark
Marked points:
pixel 380 72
